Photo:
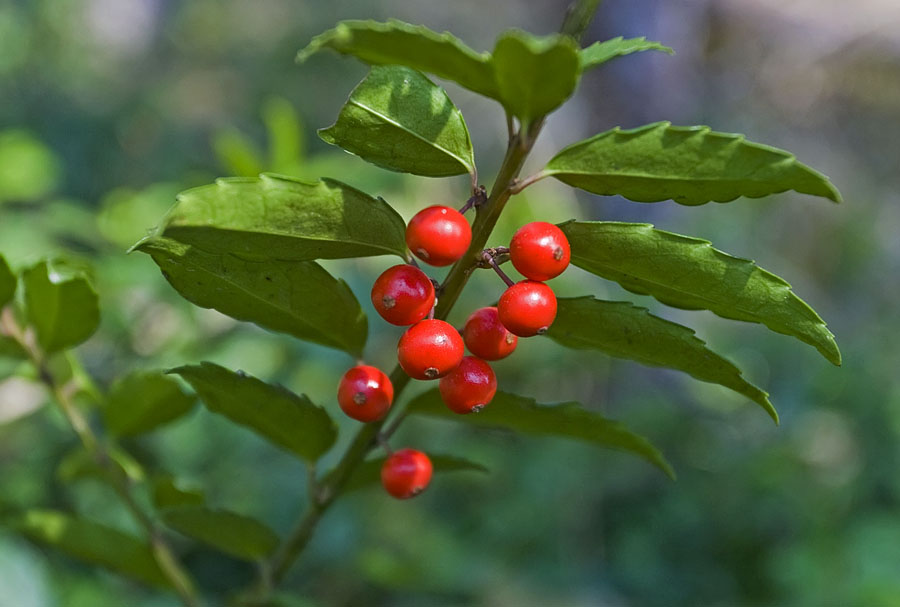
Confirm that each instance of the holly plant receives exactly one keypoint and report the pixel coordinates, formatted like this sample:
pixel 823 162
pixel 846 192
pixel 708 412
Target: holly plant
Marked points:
pixel 249 248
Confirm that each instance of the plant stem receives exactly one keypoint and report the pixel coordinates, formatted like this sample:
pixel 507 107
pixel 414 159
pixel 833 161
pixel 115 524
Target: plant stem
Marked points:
pixel 62 394
pixel 518 147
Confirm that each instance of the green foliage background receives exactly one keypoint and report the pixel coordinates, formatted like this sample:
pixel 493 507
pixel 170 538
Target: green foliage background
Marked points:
pixel 111 107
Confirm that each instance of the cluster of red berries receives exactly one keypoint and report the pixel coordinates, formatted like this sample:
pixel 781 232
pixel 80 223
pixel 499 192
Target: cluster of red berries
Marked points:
pixel 432 349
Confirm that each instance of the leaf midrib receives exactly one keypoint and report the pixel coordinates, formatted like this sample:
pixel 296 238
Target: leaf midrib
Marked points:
pixel 403 128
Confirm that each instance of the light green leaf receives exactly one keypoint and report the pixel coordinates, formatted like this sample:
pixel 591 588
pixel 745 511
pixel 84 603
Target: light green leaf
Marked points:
pixel 399 120
pixel 7 283
pixel 535 75
pixel 285 132
pixel 29 170
pixel 273 217
pixel 290 421
pixel 689 273
pixel 568 420
pixel 690 165
pixel 601 52
pixel 94 543
pixel 168 494
pixel 623 330
pixel 61 305
pixel 142 401
pixel 368 473
pixel 398 43
pixel 79 464
pixel 237 153
pixel 297 298
pixel 240 536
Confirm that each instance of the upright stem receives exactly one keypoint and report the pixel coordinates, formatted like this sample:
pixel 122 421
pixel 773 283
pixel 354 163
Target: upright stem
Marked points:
pixel 62 394
pixel 519 146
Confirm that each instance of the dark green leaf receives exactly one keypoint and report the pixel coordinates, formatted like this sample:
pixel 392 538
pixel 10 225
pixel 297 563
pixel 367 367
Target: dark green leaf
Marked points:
pixel 689 273
pixel 79 464
pixel 61 305
pixel 601 52
pixel 534 75
pixel 290 421
pixel 10 348
pixel 93 543
pixel 399 120
pixel 7 283
pixel 235 534
pixel 297 298
pixel 568 420
pixel 167 494
pixel 623 330
pixel 143 400
pixel 690 165
pixel 415 46
pixel 368 473
pixel 273 217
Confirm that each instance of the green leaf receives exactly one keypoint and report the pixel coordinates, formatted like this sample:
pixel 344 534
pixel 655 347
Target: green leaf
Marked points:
pixel 79 464
pixel 167 494
pixel 398 43
pixel 142 401
pixel 601 52
pixel 534 75
pixel 290 421
pixel 273 217
pixel 7 283
pixel 368 473
pixel 94 543
pixel 690 165
pixel 237 153
pixel 61 305
pixel 400 120
pixel 240 536
pixel 623 330
pixel 568 420
pixel 689 273
pixel 285 132
pixel 297 298
pixel 29 170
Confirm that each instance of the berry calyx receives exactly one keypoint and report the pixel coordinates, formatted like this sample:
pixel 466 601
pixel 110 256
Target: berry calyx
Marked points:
pixel 365 393
pixel 430 349
pixel 403 295
pixel 406 473
pixel 539 251
pixel 438 235
pixel 527 308
pixel 469 387
pixel 486 337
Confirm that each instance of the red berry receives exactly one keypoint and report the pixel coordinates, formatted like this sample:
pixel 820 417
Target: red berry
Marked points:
pixel 403 295
pixel 469 387
pixel 406 473
pixel 527 308
pixel 438 235
pixel 486 337
pixel 539 250
pixel 365 393
pixel 430 349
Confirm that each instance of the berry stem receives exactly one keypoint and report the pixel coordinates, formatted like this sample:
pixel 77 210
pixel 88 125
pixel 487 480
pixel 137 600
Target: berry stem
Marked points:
pixel 478 198
pixel 519 146
pixel 496 267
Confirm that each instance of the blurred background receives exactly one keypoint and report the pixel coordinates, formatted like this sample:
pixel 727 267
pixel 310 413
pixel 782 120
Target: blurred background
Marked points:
pixel 108 108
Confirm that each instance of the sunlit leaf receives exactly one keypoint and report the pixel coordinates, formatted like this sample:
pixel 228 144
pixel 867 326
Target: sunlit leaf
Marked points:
pixel 415 46
pixel 60 304
pixel 237 154
pixel 285 131
pixel 274 217
pixel 297 298
pixel 289 420
pixel 535 75
pixel 29 170
pixel 399 120
pixel 93 543
pixel 689 273
pixel 601 52
pixel 235 534
pixel 690 165
pixel 142 401
pixel 623 330
pixel 568 420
